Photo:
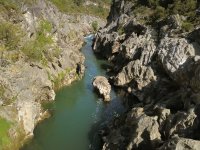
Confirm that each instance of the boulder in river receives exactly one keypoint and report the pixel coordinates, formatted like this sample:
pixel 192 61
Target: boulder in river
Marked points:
pixel 103 87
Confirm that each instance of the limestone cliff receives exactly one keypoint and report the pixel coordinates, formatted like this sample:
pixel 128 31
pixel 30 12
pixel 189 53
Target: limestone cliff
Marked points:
pixel 154 49
pixel 39 52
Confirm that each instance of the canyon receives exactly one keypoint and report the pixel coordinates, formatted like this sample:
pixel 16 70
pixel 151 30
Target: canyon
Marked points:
pixel 133 85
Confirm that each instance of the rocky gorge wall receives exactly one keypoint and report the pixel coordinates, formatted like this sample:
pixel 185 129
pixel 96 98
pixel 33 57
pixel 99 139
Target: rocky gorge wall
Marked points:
pixel 157 64
pixel 46 57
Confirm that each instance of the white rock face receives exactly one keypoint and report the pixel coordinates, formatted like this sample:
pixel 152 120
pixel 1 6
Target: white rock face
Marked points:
pixel 135 70
pixel 173 53
pixel 103 86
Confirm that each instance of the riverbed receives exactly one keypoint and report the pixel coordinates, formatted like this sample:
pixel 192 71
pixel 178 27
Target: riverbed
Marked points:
pixel 78 112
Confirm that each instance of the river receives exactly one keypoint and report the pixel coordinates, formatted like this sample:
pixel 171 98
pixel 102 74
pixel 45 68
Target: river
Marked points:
pixel 77 112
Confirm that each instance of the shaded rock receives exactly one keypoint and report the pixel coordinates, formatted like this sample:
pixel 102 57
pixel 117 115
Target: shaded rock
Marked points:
pixel 195 35
pixel 103 87
pixel 181 123
pixel 139 132
pixel 180 144
pixel 108 44
pixel 163 115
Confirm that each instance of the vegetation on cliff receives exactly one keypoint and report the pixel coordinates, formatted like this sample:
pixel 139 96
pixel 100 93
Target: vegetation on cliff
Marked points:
pixel 95 7
pixel 4 138
pixel 38 45
pixel 152 11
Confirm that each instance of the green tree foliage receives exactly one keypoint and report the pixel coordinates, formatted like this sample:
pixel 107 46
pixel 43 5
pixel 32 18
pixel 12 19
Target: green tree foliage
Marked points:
pixel 187 26
pixel 183 6
pixel 159 12
pixel 77 7
pixel 156 10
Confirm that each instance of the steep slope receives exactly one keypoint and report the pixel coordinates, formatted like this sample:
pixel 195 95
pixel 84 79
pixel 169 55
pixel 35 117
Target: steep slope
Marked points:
pixel 39 49
pixel 154 48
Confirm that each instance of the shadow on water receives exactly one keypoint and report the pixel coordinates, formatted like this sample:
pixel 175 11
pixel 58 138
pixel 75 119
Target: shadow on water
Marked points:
pixel 108 113
pixel 106 66
pixel 78 113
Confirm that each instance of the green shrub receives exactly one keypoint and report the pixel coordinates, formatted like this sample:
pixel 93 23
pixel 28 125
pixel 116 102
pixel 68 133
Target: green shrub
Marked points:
pixel 36 49
pixel 10 36
pixel 2 91
pixel 153 3
pixel 95 26
pixel 160 13
pixel 183 6
pixel 45 26
pixel 4 135
pixel 60 78
pixel 76 7
pixel 120 30
pixel 150 11
pixel 8 5
pixel 187 26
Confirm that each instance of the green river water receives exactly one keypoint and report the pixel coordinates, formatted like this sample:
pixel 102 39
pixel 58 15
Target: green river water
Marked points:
pixel 77 112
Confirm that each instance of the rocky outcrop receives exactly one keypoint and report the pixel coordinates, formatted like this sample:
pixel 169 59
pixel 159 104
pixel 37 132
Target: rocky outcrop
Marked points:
pixel 180 143
pixel 134 70
pixel 157 63
pixel 173 53
pixel 103 87
pixel 138 132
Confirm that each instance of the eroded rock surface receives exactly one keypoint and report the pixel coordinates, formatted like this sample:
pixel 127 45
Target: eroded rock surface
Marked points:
pixel 157 63
pixel 26 83
pixel 181 144
pixel 103 87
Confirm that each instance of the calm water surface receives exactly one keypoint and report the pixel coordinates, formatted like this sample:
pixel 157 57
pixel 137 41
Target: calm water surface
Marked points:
pixel 77 112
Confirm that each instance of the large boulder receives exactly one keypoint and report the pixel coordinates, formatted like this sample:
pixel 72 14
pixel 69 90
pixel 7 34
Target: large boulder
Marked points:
pixel 134 70
pixel 103 87
pixel 140 47
pixel 139 131
pixel 173 53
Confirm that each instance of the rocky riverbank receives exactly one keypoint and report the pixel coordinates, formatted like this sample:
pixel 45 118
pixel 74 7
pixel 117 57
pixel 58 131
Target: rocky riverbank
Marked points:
pixel 154 49
pixel 39 53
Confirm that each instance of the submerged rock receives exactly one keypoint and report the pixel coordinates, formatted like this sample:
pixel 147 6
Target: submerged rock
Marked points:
pixel 103 87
